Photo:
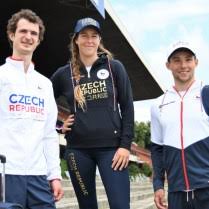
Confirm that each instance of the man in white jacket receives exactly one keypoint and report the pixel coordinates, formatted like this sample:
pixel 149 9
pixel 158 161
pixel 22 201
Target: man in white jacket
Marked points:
pixel 180 136
pixel 28 116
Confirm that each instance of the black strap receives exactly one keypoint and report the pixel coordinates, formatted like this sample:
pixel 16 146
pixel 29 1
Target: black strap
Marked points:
pixel 205 98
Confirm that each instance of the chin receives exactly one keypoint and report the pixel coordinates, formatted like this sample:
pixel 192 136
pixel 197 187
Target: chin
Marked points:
pixel 89 54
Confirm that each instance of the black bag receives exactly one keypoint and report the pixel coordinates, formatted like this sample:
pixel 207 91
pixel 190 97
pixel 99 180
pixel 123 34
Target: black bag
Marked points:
pixel 205 98
pixel 3 204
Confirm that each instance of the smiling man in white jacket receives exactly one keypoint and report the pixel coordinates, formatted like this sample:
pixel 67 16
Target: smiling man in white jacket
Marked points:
pixel 180 136
pixel 28 115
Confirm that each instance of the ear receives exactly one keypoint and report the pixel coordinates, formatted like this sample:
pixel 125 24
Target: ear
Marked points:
pixel 11 36
pixel 38 42
pixel 196 62
pixel 167 64
pixel 75 39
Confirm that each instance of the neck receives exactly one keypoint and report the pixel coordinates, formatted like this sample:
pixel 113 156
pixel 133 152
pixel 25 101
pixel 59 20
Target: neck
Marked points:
pixel 88 61
pixel 183 86
pixel 25 58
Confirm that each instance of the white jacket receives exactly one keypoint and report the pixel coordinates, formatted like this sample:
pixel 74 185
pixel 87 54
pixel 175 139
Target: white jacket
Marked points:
pixel 28 116
pixel 165 118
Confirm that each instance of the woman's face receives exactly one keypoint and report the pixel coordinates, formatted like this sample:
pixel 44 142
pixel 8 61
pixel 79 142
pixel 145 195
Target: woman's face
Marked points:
pixel 88 41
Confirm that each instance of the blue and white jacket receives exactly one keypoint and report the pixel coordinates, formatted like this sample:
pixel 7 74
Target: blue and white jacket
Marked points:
pixel 180 140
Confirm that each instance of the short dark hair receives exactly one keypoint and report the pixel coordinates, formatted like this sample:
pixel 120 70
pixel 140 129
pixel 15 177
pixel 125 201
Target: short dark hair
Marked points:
pixel 28 15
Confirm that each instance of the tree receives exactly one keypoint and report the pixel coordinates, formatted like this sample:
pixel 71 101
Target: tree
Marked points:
pixel 142 134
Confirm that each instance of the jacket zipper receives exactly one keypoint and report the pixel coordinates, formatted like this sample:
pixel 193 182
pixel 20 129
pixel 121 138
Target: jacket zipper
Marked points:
pixel 182 147
pixel 186 179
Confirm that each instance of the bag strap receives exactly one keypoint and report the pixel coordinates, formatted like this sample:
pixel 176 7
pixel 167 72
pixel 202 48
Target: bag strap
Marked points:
pixel 205 98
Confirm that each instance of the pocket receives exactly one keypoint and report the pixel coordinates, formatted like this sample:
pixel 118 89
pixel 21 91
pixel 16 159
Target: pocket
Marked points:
pixel 96 122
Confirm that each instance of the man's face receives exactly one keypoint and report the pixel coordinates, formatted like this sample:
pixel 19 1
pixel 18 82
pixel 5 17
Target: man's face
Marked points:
pixel 26 38
pixel 182 65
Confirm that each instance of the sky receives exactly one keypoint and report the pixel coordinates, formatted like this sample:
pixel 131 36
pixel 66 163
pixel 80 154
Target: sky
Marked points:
pixel 154 25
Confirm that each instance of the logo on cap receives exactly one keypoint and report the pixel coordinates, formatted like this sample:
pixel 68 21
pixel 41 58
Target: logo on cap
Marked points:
pixel 86 22
pixel 178 45
pixel 181 44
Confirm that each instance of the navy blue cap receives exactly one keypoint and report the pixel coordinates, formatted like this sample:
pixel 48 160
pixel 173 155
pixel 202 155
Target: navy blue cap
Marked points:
pixel 87 22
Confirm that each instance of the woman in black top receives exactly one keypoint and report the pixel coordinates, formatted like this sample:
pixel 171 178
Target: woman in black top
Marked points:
pixel 99 129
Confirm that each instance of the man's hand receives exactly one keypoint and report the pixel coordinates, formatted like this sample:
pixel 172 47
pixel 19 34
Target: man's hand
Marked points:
pixel 120 159
pixel 57 189
pixel 160 199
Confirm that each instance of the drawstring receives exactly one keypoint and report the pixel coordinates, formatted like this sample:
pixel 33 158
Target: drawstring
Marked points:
pixel 162 103
pixel 75 109
pixel 193 194
pixel 113 86
pixel 187 194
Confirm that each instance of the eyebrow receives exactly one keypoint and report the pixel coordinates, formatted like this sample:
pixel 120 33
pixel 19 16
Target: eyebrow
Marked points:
pixel 31 31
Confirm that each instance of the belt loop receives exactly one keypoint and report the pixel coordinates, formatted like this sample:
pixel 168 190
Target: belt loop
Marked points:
pixel 187 196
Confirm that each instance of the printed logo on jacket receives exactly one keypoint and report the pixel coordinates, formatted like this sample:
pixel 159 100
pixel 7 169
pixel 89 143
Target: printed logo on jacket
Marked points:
pixel 95 90
pixel 24 105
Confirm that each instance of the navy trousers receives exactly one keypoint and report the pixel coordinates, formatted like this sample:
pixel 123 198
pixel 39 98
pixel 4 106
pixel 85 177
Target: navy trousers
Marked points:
pixel 198 200
pixel 82 168
pixel 32 192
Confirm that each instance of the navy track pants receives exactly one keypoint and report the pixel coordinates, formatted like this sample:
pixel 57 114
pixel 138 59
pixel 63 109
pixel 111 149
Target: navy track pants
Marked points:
pixel 198 200
pixel 82 168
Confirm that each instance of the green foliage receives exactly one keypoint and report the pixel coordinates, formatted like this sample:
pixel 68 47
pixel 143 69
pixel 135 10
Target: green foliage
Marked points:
pixel 133 170
pixel 64 168
pixel 136 169
pixel 146 170
pixel 142 134
pixel 142 139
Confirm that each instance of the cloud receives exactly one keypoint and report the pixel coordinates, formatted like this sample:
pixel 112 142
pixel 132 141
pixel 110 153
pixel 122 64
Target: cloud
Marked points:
pixel 157 58
pixel 154 25
pixel 157 15
pixel 142 110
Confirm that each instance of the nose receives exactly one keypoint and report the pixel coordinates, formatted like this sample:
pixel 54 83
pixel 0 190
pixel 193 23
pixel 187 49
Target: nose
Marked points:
pixel 89 39
pixel 28 35
pixel 183 64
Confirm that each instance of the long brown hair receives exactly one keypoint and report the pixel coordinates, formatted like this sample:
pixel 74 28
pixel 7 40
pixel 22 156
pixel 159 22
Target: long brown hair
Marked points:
pixel 76 65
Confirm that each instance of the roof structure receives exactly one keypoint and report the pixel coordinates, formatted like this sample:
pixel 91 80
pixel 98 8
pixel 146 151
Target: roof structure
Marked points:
pixel 59 17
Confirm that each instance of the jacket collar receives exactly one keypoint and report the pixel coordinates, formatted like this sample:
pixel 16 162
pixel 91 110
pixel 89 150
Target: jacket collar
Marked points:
pixel 101 59
pixel 19 64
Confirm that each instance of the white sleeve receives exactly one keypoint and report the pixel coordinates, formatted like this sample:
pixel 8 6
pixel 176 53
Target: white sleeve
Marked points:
pixel 51 140
pixel 156 128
